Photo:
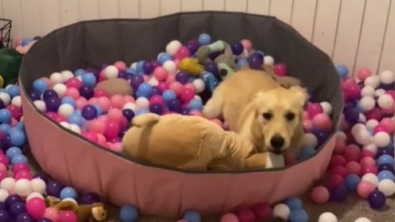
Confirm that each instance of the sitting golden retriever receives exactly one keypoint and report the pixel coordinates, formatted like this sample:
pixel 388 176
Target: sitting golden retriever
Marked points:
pixel 262 107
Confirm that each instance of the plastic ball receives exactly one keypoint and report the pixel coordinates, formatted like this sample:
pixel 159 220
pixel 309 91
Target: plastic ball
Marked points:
pixel 364 188
pixel 376 200
pixel 52 214
pixel 68 216
pixel 3 195
pixel 385 159
pixel 386 174
pixel 385 101
pixel 68 192
pixel 262 211
pixel 387 77
pixel 111 72
pixel 281 211
pixel 20 158
pixel 34 195
pixel 13 151
pixel 293 203
pixel 228 217
pixel 386 186
pixel 372 81
pixel 339 193
pixel 320 195
pixel 362 219
pixel 23 187
pixel 244 215
pixel 53 188
pixel 298 215
pixel 170 67
pixel 36 207
pixel 351 182
pixel 128 214
pixel 367 103
pixel 371 178
pixel 56 78
pixel 16 101
pixel 88 79
pixel 5 216
pixel 204 39
pixel 342 71
pixel 173 47
pixel 268 60
pixel 281 70
pixel 309 140
pixel 65 110
pixel 381 139
pixel 7 183
pixel 142 103
pixel 327 217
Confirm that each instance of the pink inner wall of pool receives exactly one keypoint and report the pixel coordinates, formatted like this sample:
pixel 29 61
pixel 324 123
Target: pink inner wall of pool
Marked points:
pixel 156 191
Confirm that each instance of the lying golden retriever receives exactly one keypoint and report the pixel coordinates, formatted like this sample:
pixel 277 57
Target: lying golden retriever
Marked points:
pixel 262 107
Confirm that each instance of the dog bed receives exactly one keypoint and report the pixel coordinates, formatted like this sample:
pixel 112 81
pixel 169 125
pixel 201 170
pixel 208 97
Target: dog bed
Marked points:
pixel 75 161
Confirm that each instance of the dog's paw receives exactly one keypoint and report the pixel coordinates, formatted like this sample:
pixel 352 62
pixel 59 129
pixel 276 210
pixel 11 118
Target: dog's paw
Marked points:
pixel 210 110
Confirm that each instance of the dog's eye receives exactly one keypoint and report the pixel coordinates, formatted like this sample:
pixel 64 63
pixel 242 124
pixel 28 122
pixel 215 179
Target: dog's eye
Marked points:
pixel 290 116
pixel 267 116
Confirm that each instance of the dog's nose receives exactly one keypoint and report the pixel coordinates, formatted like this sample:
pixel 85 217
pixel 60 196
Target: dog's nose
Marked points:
pixel 277 142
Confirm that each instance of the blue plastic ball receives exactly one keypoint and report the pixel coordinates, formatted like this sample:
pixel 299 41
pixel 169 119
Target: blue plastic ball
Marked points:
pixel 17 137
pixel 20 158
pixel 242 63
pixel 195 104
pixel 5 128
pixel 385 159
pixel 386 174
pixel 306 153
pixel 351 182
pixel 13 91
pixel 142 111
pixel 140 67
pixel 68 192
pixel 5 116
pixel 293 203
pixel 20 126
pixel 298 215
pixel 144 90
pixel 163 57
pixel 75 118
pixel 40 85
pixel 192 216
pixel 26 41
pixel 98 109
pixel 88 79
pixel 69 100
pixel 168 95
pixel 79 72
pixel 128 214
pixel 204 39
pixel 342 71
pixel 13 151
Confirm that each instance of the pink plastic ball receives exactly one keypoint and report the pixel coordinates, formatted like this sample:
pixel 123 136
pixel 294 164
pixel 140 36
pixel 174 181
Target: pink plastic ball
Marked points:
pixel 247 45
pixel 60 118
pixel 146 78
pixel 364 188
pixel 3 168
pixel 115 114
pixel 280 69
pixel 67 216
pixel 378 128
pixel 182 53
pixel 101 93
pixel 176 87
pixel 322 121
pixel 229 217
pixel 262 211
pixel 128 99
pixel 333 181
pixel 17 42
pixel 305 115
pixel 365 153
pixel 91 136
pixel 117 101
pixel 73 93
pixel 367 161
pixel 290 158
pixel 368 169
pixel 375 113
pixel 117 147
pixel 320 195
pixel 100 138
pixel 15 111
pixel 195 113
pixel 245 215
pixel 112 129
pixel 340 146
pixel 314 109
pixel 120 65
pixel 23 174
pixel 187 95
pixel 52 214
pixel 3 174
pixel 390 110
pixel 97 126
pixel 93 101
pixel 388 124
pixel 36 207
pixel 156 99
pixel 104 103
pixel 81 102
pixel 46 80
pixel 353 168
pixel 353 91
pixel 189 86
pixel 73 83
pixel 307 125
pixel 171 78
pixel 337 160
pixel 351 153
pixel 14 122
pixel 4 160
pixel 363 74
pixel 103 118
pixel 339 170
pixel 163 86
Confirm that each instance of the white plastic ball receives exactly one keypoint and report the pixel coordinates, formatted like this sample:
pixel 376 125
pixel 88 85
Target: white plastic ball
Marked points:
pixel 153 81
pixel 243 55
pixel 65 124
pixel 381 139
pixel 367 103
pixel 362 219
pixel 111 72
pixel 385 101
pixel 70 199
pixel 16 101
pixel 268 60
pixel 327 107
pixel 60 89
pixel 327 217
pixel 23 187
pixel 387 77
pixel 372 81
pixel 40 105
pixel 3 195
pixel 371 178
pixel 199 85
pixel 309 140
pixel 130 106
pixel 75 128
pixel 386 186
pixel 379 92
pixel 66 109
pixel 371 124
pixel 79 78
pixel 56 78
pixel 8 86
pixel 357 128
pixel 133 65
pixel 5 97
pixel 197 97
pixel 367 91
pixel 142 103
pixel 170 67
pixel 363 137
pixel 173 47
pixel 34 195
pixel 7 183
pixel 341 135
pixel 38 185
pixel 66 74
pixel 362 118
pixel 281 211
pixel 371 148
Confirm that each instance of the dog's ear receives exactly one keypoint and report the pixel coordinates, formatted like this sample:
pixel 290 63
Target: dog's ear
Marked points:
pixel 300 94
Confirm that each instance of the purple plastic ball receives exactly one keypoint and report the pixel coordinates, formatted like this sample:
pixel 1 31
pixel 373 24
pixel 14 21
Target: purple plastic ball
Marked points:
pixel 24 217
pixel 321 136
pixel 43 176
pixel 2 106
pixel 128 114
pixel 52 104
pixel 237 48
pixel 193 46
pixel 156 108
pixel 386 166
pixel 136 80
pixel 255 61
pixel 351 115
pixel 50 93
pixel 54 188
pixel 44 220
pixel 155 64
pixel 89 198
pixel 35 95
pixel 182 77
pixel 3 206
pixel 156 91
pixel 89 112
pixel 17 208
pixel 87 91
pixel 148 68
pixel 376 200
pixel 211 67
pixel 123 75
pixel 339 193
pixel 13 198
pixel 4 216
pixel 175 105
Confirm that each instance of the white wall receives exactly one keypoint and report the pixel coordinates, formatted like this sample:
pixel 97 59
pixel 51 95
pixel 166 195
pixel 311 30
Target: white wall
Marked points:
pixel 357 33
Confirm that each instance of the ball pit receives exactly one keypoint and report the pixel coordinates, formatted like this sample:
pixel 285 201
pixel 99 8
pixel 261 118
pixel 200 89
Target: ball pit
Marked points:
pixel 88 162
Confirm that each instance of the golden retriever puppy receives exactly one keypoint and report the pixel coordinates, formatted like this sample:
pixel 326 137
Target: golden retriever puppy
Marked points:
pixel 262 107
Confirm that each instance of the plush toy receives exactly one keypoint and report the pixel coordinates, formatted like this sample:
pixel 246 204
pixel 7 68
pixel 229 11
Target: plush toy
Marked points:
pixel 85 213
pixel 116 86
pixel 10 62
pixel 191 66
pixel 190 143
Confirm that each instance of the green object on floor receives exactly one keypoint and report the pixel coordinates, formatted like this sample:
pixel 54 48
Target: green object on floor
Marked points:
pixel 10 62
